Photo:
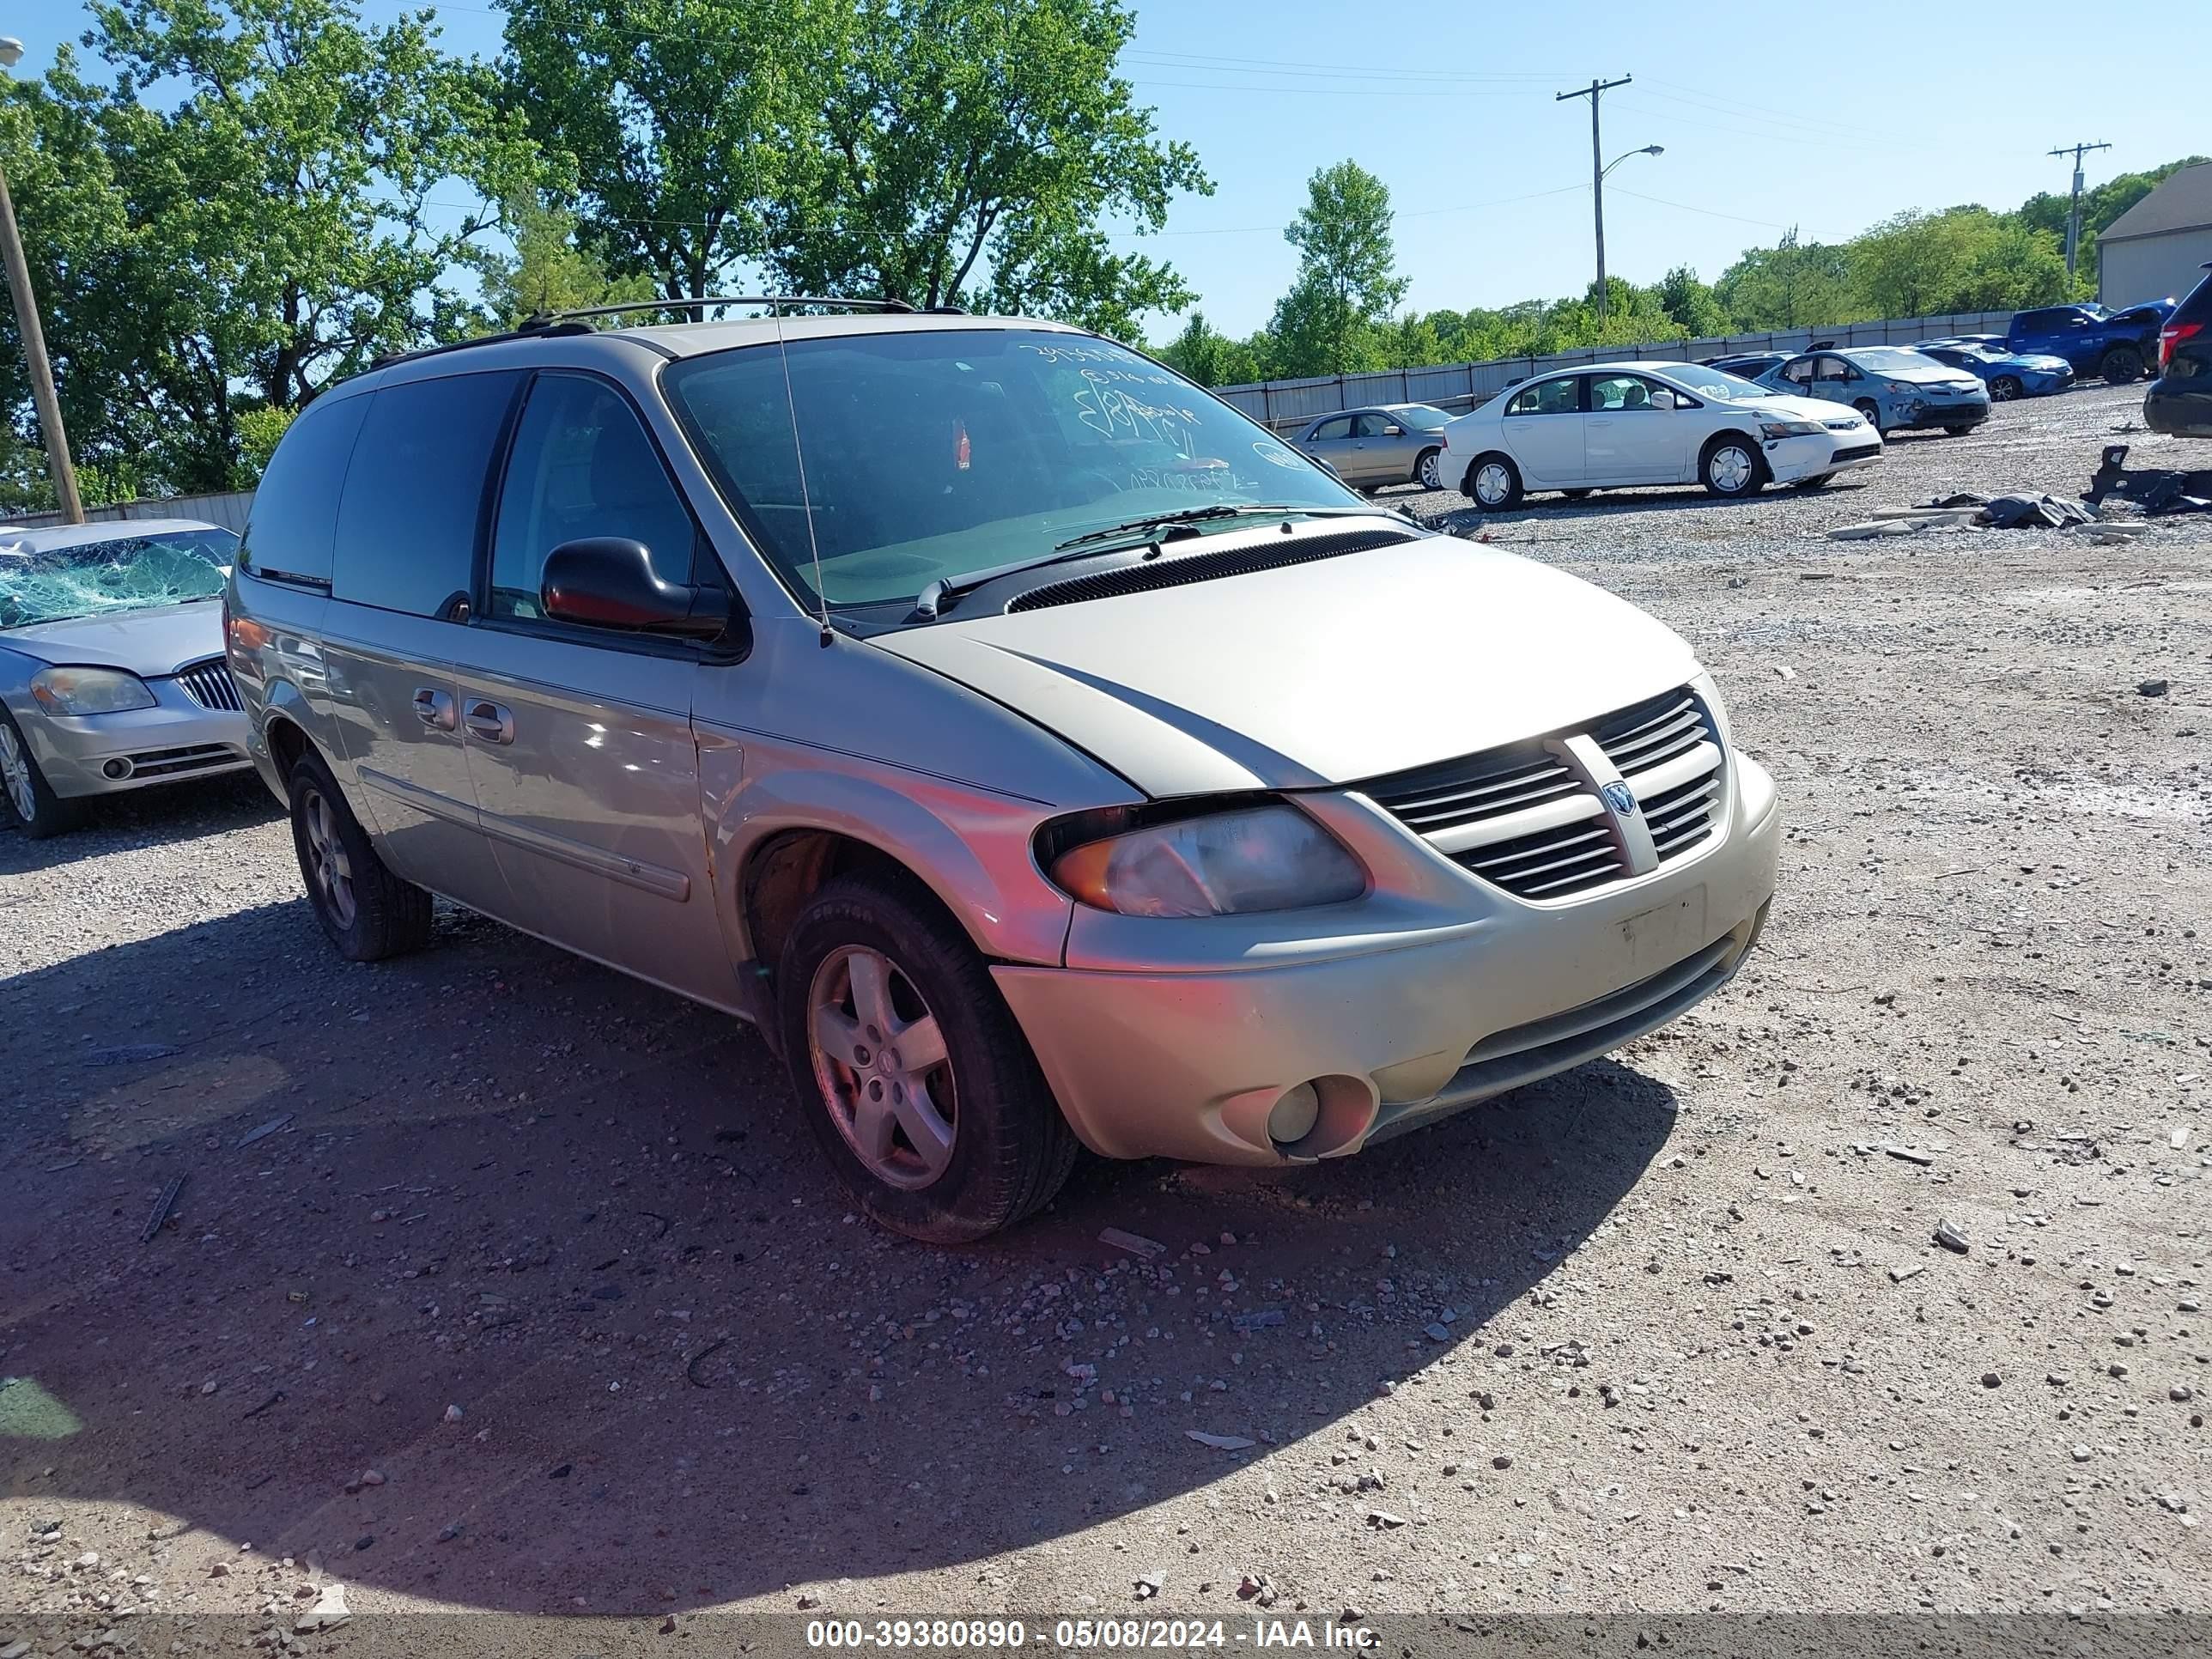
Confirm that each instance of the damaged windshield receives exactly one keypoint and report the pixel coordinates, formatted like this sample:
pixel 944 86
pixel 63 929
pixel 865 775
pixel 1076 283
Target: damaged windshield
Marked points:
pixel 113 575
pixel 932 454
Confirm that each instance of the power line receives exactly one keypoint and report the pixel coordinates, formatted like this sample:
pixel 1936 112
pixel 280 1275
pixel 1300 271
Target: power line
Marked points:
pixel 1711 213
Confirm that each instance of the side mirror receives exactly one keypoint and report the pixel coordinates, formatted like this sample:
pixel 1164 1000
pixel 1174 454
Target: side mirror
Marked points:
pixel 1393 431
pixel 1662 399
pixel 608 582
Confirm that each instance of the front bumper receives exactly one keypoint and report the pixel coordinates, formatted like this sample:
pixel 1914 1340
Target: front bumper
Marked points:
pixel 174 740
pixel 1189 1061
pixel 1789 460
pixel 1919 417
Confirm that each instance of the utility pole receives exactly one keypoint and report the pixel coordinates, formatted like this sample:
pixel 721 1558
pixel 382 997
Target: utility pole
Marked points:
pixel 1593 92
pixel 34 340
pixel 2074 212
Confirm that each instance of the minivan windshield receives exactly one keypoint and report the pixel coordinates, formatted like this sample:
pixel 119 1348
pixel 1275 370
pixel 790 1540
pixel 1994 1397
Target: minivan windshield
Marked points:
pixel 925 455
pixel 116 573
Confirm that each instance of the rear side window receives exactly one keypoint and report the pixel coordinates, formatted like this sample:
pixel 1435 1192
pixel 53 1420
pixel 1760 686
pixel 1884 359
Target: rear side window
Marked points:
pixel 581 466
pixel 289 536
pixel 1545 398
pixel 414 501
pixel 1338 428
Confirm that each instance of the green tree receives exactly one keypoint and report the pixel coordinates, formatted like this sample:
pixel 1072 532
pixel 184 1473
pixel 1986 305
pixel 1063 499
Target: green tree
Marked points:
pixel 1347 283
pixel 1793 284
pixel 547 270
pixel 1208 357
pixel 1692 306
pixel 676 121
pixel 1967 258
pixel 267 226
pixel 967 150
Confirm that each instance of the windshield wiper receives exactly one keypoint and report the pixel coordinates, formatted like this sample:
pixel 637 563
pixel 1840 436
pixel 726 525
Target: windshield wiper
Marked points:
pixel 946 592
pixel 1196 515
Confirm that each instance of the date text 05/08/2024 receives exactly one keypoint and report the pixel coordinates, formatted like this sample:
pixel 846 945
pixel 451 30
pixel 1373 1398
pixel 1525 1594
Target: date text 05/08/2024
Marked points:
pixel 1086 1635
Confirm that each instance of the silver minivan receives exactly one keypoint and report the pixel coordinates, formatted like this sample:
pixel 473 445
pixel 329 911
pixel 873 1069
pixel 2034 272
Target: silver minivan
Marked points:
pixel 1037 750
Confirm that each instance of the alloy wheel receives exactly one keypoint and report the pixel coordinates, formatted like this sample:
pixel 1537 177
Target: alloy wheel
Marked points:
pixel 881 1066
pixel 16 774
pixel 1730 469
pixel 328 865
pixel 1431 478
pixel 2003 389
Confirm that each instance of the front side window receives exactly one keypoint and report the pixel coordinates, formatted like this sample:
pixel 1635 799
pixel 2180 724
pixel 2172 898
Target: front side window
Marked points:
pixel 581 466
pixel 1545 398
pixel 1619 394
pixel 1799 373
pixel 116 573
pixel 927 455
pixel 409 521
pixel 1375 426
pixel 1338 428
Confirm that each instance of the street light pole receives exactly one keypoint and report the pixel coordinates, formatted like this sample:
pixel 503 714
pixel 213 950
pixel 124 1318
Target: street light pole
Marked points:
pixel 34 340
pixel 1595 90
pixel 2074 209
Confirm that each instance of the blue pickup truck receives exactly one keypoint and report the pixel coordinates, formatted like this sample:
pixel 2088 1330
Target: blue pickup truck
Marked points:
pixel 2116 344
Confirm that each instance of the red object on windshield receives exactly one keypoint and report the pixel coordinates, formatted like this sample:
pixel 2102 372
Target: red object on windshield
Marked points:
pixel 960 451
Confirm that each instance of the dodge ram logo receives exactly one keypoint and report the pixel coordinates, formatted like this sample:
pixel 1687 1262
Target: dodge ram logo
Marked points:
pixel 1621 798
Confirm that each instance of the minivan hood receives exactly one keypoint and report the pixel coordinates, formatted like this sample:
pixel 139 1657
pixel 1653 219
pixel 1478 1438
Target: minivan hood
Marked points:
pixel 1315 674
pixel 152 642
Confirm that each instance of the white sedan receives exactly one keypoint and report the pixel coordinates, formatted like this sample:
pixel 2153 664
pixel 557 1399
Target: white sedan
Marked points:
pixel 1615 424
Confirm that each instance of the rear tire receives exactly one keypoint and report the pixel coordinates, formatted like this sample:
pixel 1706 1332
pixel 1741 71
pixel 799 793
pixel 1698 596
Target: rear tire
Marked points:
pixel 1493 483
pixel 24 795
pixel 2123 366
pixel 1732 467
pixel 1575 495
pixel 1428 471
pixel 958 1136
pixel 366 912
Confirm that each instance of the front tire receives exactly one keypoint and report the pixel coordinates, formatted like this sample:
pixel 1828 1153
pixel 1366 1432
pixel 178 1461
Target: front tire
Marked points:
pixel 1956 431
pixel 913 1078
pixel 24 795
pixel 1870 412
pixel 2123 365
pixel 2004 389
pixel 366 911
pixel 1428 471
pixel 1493 483
pixel 1731 467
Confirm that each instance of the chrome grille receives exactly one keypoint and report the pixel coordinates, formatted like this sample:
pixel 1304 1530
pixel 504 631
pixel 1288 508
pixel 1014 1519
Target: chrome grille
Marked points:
pixel 1527 818
pixel 209 685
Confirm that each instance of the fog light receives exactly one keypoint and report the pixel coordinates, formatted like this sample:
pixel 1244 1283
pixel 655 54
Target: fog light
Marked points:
pixel 116 769
pixel 1293 1118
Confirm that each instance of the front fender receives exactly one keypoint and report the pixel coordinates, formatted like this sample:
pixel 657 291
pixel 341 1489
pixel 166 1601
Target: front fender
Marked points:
pixel 969 846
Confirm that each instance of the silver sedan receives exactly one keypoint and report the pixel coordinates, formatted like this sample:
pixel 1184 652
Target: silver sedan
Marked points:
pixel 1386 444
pixel 112 664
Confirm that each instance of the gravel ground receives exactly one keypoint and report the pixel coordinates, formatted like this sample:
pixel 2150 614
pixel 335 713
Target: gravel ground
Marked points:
pixel 500 1283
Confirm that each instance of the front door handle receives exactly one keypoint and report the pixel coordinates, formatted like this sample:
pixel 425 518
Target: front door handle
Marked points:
pixel 433 707
pixel 490 721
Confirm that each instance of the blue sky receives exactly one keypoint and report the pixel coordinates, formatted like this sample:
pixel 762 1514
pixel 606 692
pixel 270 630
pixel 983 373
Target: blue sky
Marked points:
pixel 1792 115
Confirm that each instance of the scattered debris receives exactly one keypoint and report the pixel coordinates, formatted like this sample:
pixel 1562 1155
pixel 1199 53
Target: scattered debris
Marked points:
pixel 1134 1243
pixel 129 1053
pixel 691 1365
pixel 1948 1235
pixel 266 1130
pixel 1148 1586
pixel 2156 489
pixel 1221 1441
pixel 2151 687
pixel 1384 1519
pixel 329 1610
pixel 1909 1154
pixel 275 1398
pixel 2034 513
pixel 162 1205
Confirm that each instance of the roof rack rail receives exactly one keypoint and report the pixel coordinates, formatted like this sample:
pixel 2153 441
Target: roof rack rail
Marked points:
pixel 774 301
pixel 544 325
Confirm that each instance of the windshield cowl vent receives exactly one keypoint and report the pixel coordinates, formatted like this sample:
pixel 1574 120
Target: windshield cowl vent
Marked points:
pixel 1275 553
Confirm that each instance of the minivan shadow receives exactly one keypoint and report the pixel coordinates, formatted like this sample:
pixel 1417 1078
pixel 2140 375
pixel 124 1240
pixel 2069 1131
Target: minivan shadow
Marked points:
pixel 496 1178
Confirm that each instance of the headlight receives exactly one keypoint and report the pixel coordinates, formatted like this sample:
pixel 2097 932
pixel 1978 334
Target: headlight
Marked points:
pixel 1259 858
pixel 1904 388
pixel 90 690
pixel 1790 428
